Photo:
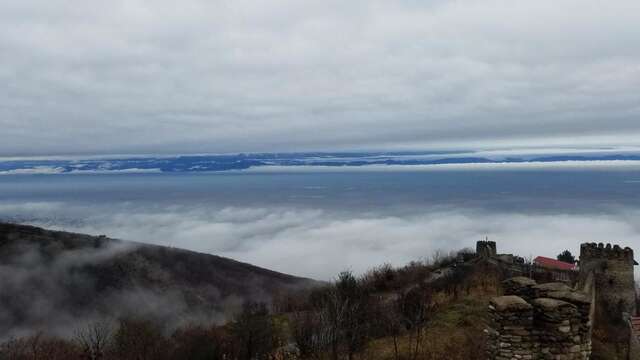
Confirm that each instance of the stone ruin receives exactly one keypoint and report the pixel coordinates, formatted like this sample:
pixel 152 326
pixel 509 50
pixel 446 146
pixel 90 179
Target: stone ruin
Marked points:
pixel 486 249
pixel 546 321
pixel 530 321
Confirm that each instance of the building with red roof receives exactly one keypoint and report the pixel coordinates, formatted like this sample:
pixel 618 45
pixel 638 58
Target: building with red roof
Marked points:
pixel 553 264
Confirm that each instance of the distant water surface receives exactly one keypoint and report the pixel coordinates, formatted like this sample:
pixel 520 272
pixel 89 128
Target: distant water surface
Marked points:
pixel 569 191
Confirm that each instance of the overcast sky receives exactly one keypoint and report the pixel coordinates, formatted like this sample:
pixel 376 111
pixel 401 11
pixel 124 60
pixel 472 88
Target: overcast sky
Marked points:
pixel 96 77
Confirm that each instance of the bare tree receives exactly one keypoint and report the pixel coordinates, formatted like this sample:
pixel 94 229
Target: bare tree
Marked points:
pixel 390 320
pixel 332 311
pixel 356 302
pixel 436 257
pixel 94 339
pixel 343 308
pixel 307 332
pixel 415 306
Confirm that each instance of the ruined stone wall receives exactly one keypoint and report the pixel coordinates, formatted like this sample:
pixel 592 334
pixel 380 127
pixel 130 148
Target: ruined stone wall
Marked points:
pixel 548 321
pixel 510 332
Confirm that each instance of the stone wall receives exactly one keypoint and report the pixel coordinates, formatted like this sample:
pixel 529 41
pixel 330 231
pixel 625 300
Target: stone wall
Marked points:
pixel 547 321
pixel 520 286
pixel 510 332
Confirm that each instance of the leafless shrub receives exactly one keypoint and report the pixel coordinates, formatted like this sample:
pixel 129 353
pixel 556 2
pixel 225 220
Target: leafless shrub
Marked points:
pixel 381 278
pixel 415 306
pixel 307 331
pixel 94 339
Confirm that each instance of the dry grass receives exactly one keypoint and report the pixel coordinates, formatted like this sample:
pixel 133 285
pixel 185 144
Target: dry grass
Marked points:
pixel 455 332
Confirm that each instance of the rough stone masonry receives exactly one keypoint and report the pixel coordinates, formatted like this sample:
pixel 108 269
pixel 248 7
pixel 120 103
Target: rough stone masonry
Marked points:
pixel 546 321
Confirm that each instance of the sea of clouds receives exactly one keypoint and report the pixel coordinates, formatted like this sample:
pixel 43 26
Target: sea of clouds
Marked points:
pixel 319 243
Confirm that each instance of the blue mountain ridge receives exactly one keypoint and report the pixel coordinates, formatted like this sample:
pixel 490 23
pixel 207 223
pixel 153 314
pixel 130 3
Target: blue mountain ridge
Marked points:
pixel 208 163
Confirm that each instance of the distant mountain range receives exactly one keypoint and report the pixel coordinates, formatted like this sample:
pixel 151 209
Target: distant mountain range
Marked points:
pixel 57 281
pixel 208 163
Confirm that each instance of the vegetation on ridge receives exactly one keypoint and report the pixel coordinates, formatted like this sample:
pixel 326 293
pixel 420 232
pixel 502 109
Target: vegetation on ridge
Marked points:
pixel 418 311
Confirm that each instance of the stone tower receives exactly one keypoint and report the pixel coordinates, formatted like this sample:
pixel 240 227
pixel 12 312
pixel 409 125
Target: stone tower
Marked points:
pixel 486 249
pixel 606 274
pixel 611 270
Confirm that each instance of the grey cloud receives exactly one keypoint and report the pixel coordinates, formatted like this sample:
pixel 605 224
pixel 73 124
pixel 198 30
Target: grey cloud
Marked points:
pixel 202 76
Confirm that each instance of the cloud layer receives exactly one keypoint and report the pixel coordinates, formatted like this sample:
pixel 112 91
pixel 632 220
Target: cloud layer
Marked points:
pixel 320 243
pixel 203 76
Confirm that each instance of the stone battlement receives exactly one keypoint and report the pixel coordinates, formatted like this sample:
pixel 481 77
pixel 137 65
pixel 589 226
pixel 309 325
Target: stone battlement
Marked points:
pixel 486 248
pixel 600 251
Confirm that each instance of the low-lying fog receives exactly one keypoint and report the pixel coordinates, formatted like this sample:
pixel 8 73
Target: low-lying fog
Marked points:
pixel 318 224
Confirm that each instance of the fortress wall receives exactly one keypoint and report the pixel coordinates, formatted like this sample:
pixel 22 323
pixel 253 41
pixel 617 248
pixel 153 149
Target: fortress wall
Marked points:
pixel 612 269
pixel 510 331
pixel 555 326
pixel 520 286
pixel 554 321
